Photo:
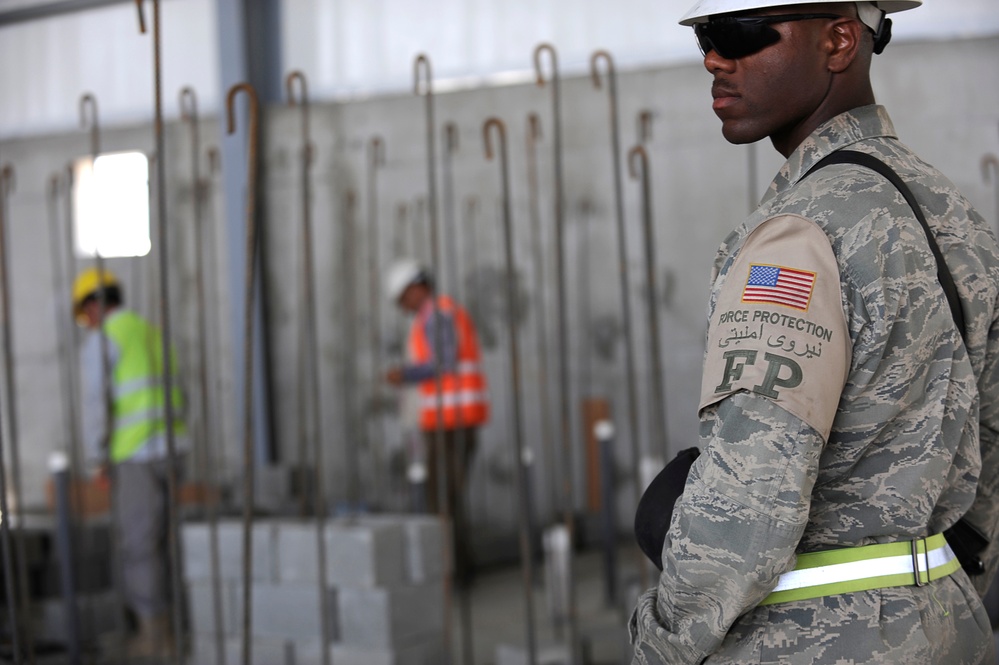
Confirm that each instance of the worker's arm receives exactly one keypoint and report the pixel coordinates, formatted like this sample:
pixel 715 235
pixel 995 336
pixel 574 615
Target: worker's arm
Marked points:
pixel 420 372
pixel 734 529
pixel 776 360
pixel 95 429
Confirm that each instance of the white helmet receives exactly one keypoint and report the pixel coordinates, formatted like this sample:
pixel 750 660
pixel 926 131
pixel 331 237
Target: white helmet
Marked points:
pixel 704 9
pixel 401 274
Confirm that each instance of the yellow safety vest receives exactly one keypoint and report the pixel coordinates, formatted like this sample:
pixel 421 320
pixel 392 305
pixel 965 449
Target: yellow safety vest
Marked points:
pixel 139 409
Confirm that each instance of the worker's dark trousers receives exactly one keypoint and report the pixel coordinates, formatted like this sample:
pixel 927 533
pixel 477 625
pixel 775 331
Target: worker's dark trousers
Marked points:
pixel 459 448
pixel 141 510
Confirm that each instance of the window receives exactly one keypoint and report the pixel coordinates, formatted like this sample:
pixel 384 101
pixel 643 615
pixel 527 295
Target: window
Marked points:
pixel 111 203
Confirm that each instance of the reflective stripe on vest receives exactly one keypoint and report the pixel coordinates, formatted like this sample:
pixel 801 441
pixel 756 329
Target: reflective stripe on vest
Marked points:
pixel 139 402
pixel 853 569
pixel 464 400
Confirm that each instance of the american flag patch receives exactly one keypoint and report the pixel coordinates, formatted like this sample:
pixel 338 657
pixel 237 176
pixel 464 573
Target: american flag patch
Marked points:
pixel 777 285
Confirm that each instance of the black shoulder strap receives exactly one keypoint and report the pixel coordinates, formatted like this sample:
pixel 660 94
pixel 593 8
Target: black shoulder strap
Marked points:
pixel 875 164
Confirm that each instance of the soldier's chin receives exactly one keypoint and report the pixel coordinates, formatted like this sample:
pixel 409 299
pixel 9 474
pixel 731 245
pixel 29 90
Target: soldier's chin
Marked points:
pixel 740 134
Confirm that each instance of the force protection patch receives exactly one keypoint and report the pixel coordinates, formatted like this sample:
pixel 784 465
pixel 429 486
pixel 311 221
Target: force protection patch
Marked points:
pixel 777 331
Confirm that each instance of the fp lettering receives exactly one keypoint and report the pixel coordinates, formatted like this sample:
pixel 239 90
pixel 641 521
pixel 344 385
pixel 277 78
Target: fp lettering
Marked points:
pixel 781 372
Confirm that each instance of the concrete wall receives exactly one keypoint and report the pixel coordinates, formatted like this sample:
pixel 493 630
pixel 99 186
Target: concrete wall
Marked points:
pixel 934 91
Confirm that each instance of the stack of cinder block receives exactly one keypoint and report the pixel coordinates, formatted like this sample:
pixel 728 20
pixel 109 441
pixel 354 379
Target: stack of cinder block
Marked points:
pixel 97 609
pixel 384 591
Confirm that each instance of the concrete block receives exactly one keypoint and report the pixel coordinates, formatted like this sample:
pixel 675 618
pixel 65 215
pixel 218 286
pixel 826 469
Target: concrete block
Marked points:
pixel 359 553
pixel 265 651
pixel 195 546
pixel 97 615
pixel 426 653
pixel 272 489
pixel 92 575
pixel 297 552
pixel 288 611
pixel 365 553
pixel 553 654
pixel 391 617
pixel 425 538
pixel 201 608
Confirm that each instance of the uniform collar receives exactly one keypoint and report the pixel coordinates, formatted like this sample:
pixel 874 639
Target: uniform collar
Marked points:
pixel 865 122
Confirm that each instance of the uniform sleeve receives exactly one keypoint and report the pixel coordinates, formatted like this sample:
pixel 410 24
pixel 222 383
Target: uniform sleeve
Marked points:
pixel 776 360
pixel 734 529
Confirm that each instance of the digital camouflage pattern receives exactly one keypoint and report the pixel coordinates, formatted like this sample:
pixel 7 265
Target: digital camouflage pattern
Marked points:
pixel 913 426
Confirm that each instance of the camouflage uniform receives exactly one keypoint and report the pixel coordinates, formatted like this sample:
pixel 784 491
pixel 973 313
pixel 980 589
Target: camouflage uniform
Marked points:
pixel 840 411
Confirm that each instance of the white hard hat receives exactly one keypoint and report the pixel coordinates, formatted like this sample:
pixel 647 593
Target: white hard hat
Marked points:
pixel 704 9
pixel 401 274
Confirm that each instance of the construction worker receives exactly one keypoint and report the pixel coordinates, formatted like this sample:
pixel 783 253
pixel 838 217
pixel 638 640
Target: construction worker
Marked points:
pixel 849 404
pixel 463 403
pixel 124 425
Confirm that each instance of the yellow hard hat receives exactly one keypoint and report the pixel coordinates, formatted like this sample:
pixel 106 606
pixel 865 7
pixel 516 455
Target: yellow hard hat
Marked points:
pixel 89 282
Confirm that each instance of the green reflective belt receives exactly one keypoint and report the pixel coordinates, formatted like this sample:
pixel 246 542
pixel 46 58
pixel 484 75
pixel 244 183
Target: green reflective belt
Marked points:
pixel 851 569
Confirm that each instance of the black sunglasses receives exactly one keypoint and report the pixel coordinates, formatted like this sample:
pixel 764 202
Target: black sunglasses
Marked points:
pixel 737 36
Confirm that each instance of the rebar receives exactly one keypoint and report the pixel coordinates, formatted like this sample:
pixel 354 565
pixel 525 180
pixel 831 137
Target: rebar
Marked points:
pixel 65 344
pixel 622 259
pixel 169 415
pixel 309 352
pixel 568 466
pixel 644 126
pixel 72 368
pixel 65 350
pixel 399 249
pixel 638 168
pixel 88 117
pixel 376 160
pixel 188 102
pixel 349 348
pixel 534 205
pixel 496 126
pixel 15 606
pixel 422 73
pixel 249 284
pixel 450 268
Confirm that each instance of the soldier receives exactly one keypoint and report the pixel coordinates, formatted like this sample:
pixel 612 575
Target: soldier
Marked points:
pixel 845 423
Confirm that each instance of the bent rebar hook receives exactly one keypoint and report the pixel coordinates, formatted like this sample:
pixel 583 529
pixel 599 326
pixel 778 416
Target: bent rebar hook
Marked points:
pixel 88 119
pixel 526 554
pixel 251 246
pixel 638 168
pixel 301 101
pixel 533 137
pixel 568 482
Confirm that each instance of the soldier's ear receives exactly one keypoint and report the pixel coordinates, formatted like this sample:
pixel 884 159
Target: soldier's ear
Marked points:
pixel 843 41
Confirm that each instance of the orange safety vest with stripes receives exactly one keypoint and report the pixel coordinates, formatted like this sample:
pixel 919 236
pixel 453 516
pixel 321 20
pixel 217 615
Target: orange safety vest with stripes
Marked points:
pixel 465 402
